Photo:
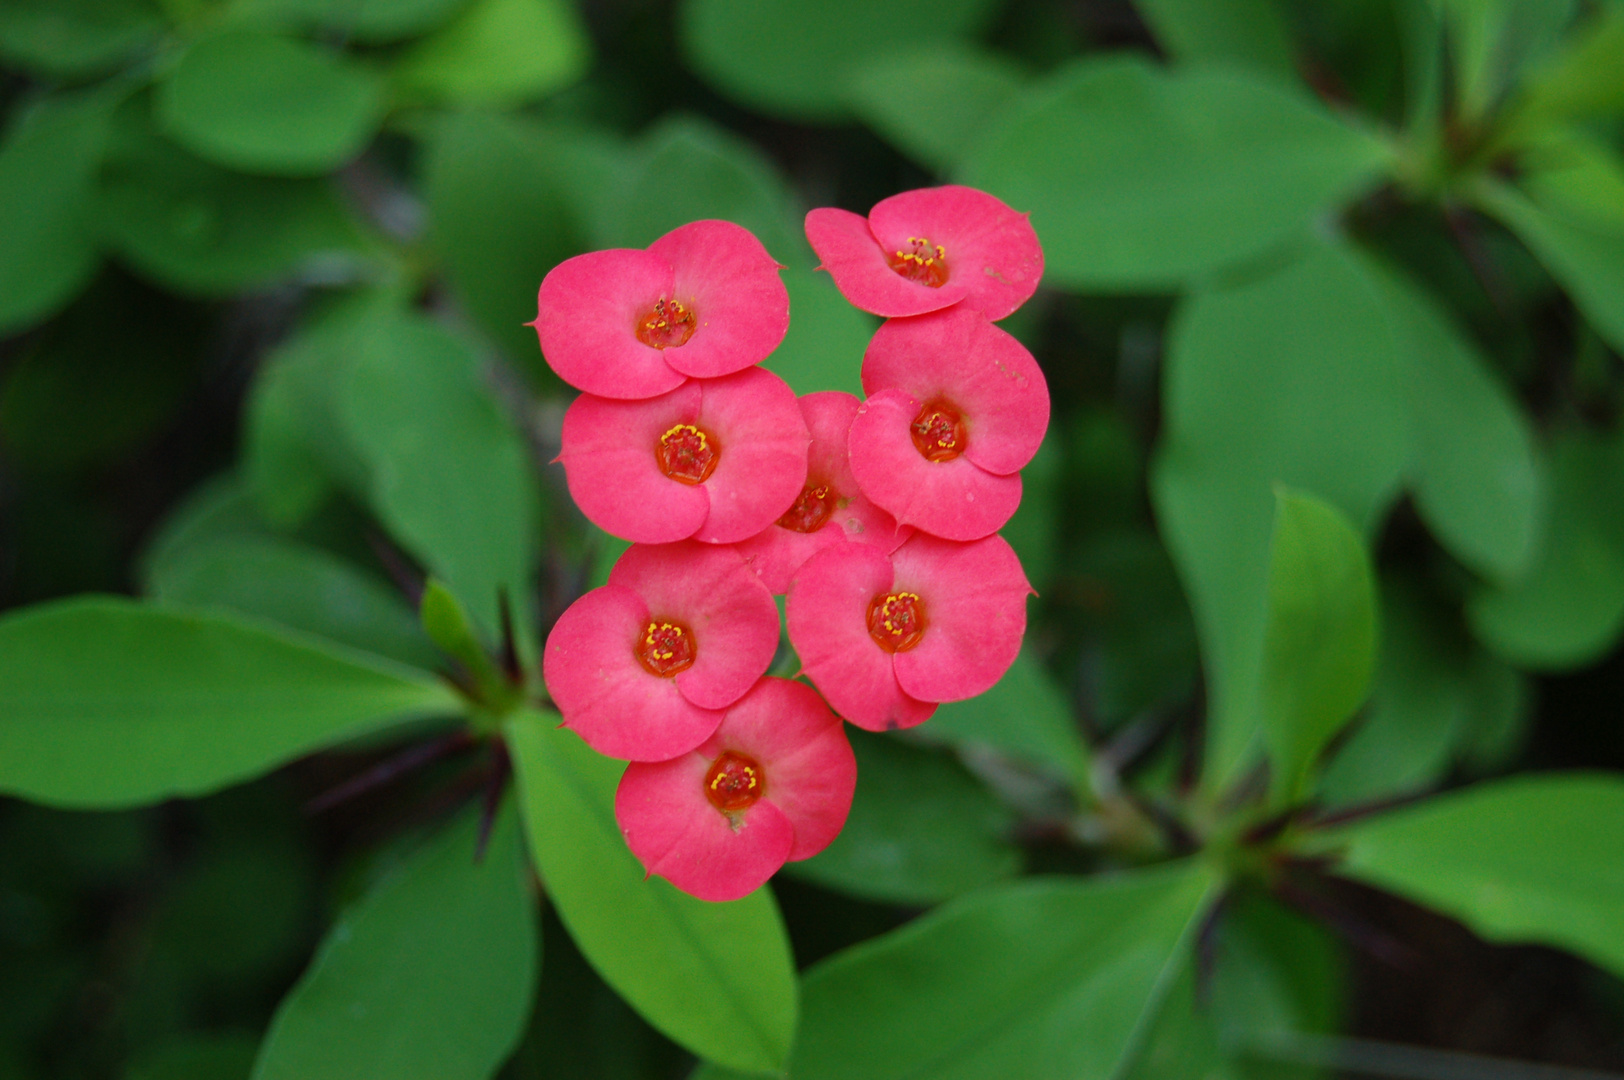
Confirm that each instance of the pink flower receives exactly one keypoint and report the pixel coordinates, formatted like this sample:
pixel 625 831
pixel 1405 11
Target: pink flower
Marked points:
pixel 641 668
pixel 831 508
pixel 715 459
pixel 926 249
pixel 773 784
pixel 956 407
pixel 886 637
pixel 703 300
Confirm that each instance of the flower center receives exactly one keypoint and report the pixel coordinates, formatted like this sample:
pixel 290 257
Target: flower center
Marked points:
pixel 668 324
pixel 734 782
pixel 811 511
pixel 687 454
pixel 666 649
pixel 897 621
pixel 923 262
pixel 938 432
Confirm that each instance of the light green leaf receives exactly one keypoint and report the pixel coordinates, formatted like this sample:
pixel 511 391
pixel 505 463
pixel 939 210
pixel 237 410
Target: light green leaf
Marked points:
pixel 1533 858
pixel 1294 379
pixel 1046 979
pixel 369 21
pixel 108 703
pixel 933 106
pixel 827 337
pixel 497 53
pixel 1490 41
pixel 1319 636
pixel 427 977
pixel 1249 33
pixel 1024 714
pixel 75 38
pixel 269 104
pixel 772 56
pixel 921 829
pixel 1578 82
pixel 717 978
pixel 1142 178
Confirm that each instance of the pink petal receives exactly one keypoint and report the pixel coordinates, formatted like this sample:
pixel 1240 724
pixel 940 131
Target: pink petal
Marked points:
pixel 827 613
pixel 676 833
pixel 605 695
pixel 992 252
pixel 959 357
pixel 858 264
pixel 732 286
pixel 610 465
pixel 587 312
pixel 762 465
pixel 714 594
pixel 955 499
pixel 975 615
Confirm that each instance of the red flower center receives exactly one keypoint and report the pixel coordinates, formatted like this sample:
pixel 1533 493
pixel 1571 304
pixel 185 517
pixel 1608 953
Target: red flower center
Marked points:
pixel 811 511
pixel 897 621
pixel 734 782
pixel 923 262
pixel 666 649
pixel 938 432
pixel 686 454
pixel 668 324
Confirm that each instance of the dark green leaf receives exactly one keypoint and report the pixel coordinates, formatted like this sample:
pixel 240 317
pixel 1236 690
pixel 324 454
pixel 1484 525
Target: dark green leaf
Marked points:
pixel 428 977
pixel 1490 41
pixel 823 349
pixel 935 105
pixel 1024 714
pixel 269 104
pixel 370 21
pixel 1034 531
pixel 105 702
pixel 75 38
pixel 717 978
pixel 1140 178
pixel 1249 33
pixel 196 1057
pixel 1581 81
pixel 498 52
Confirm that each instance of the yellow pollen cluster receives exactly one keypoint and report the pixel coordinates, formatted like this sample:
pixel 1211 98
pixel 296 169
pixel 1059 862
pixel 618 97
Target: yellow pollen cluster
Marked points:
pixel 921 253
pixel 666 314
pixel 659 643
pixel 678 430
pixel 751 783
pixel 885 610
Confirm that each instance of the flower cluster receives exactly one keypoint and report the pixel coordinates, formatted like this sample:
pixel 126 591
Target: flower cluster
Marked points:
pixel 877 519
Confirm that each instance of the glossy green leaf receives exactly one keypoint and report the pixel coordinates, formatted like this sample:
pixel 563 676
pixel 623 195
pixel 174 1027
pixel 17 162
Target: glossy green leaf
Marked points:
pixel 935 105
pixel 370 21
pixel 1533 858
pixel 298 586
pixel 1293 378
pixel 48 165
pixel 498 52
pixel 269 104
pixel 1490 41
pixel 1319 636
pixel 1142 178
pixel 1250 33
pixel 1580 81
pixel 770 56
pixel 427 977
pixel 106 703
pixel 1274 972
pixel 1047 979
pixel 717 978
pixel 827 337
pixel 921 829
pixel 1025 714
pixel 75 38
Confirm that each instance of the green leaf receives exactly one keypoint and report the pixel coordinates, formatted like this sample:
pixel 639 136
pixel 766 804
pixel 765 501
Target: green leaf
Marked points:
pixel 269 104
pixel 1025 714
pixel 195 1057
pixel 770 56
pixel 1580 81
pixel 827 337
pixel 298 586
pixel 1249 33
pixel 1274 973
pixel 1293 379
pixel 921 829
pixel 48 165
pixel 1490 41
pixel 1533 858
pixel 108 703
pixel 498 53
pixel 73 39
pixel 427 977
pixel 368 21
pixel 1034 531
pixel 1319 636
pixel 1142 178
pixel 717 978
pixel 935 105
pixel 1046 978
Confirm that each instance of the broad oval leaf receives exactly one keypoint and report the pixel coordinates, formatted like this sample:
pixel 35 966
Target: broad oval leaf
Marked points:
pixel 1141 178
pixel 270 104
pixel 717 978
pixel 106 703
pixel 428 977
pixel 1533 858
pixel 934 106
pixel 75 38
pixel 498 52
pixel 1026 715
pixel 370 21
pixel 1250 33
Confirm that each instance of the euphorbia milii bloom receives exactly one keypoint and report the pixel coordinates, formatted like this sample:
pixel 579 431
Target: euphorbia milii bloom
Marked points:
pixel 703 300
pixel 956 407
pixel 715 459
pixel 926 249
pixel 887 637
pixel 642 667
pixel 831 508
pixel 773 784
